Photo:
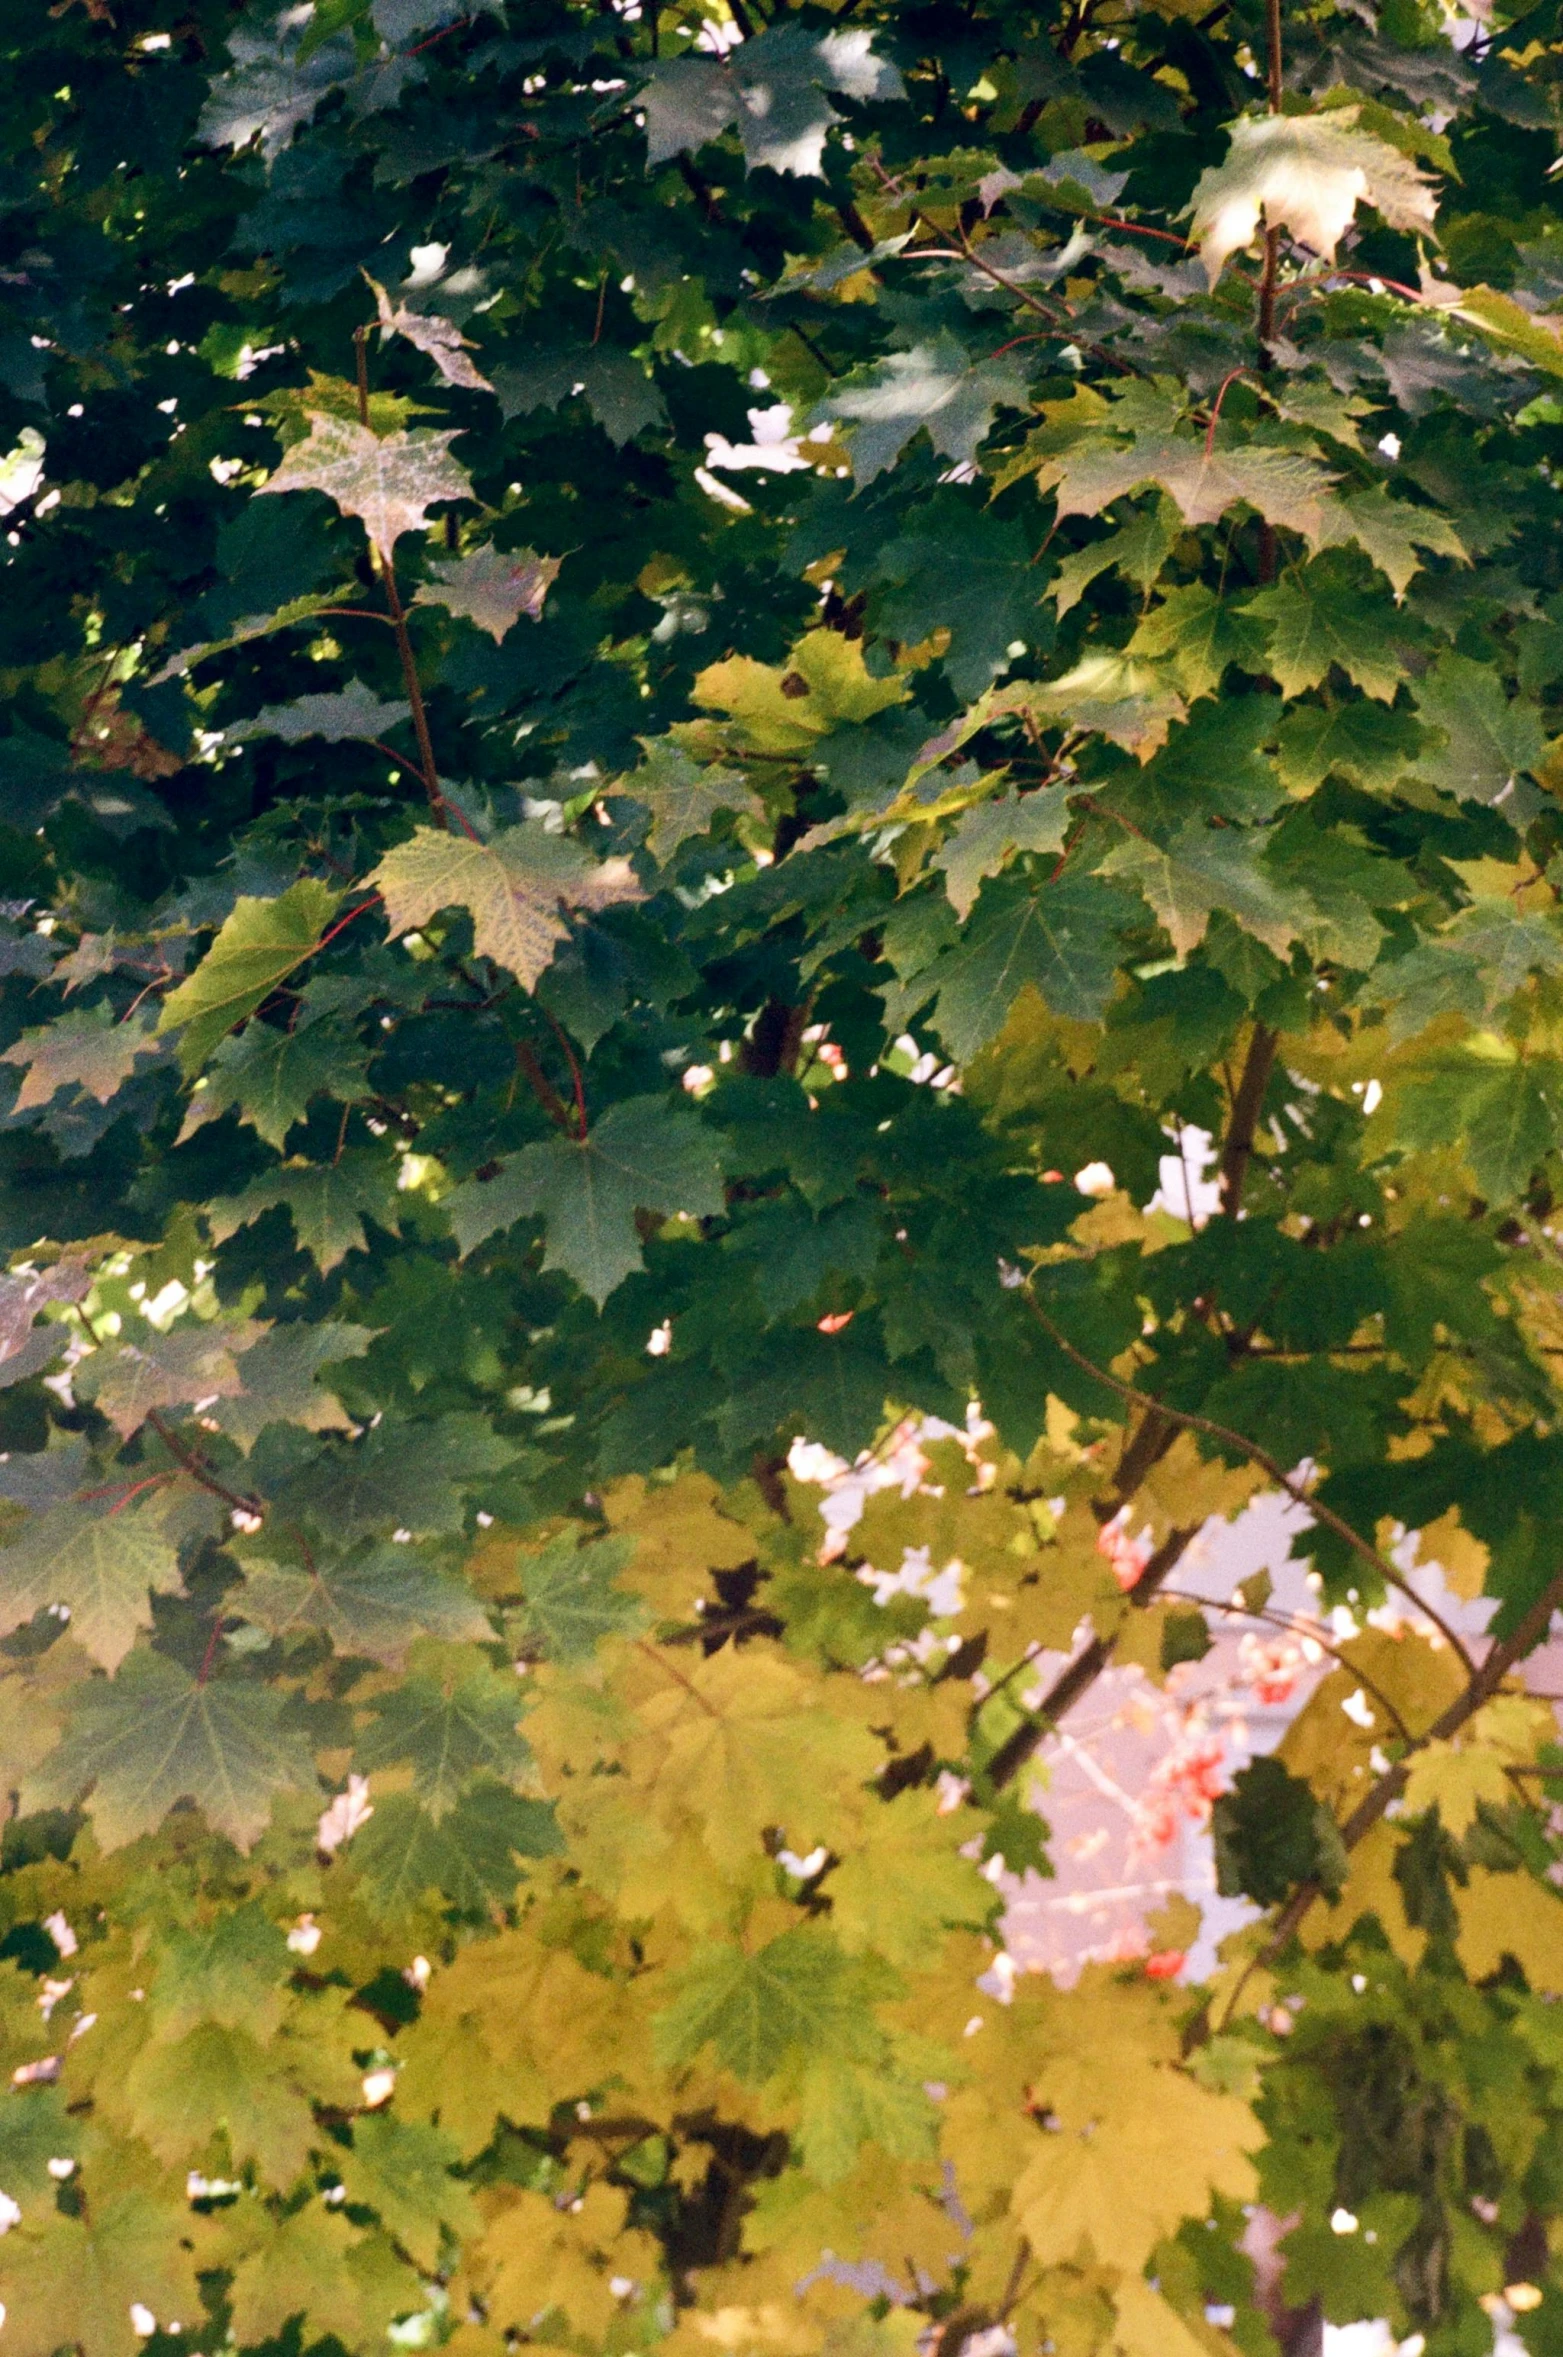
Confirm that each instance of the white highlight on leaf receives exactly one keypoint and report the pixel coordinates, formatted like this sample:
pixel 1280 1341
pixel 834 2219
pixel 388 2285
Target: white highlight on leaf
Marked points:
pixel 1308 174
pixel 348 1812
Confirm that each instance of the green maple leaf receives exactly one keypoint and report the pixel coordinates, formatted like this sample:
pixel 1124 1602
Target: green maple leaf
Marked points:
pixel 513 887
pixel 643 1155
pixel 258 947
pixel 271 1076
pixel 278 1379
pixel 104 1566
pixel 85 1049
pixel 1058 938
pixel 35 2128
pixel 230 1971
pixel 1474 966
pixel 614 385
pixel 471 1855
pixel 1360 740
pixel 1201 870
pixel 1391 532
pixel 73 2281
pixel 152 1736
pixel 572 1600
pixel 847 2104
pixel 375 1602
pixel 1139 551
pixel 492 589
pixel 684 798
pixel 1197 634
pixel 934 385
pixel 327 1203
pixel 389 481
pixel 801 1995
pixel 313 2263
pixel 402 2169
pixel 398 1475
pixel 1318 616
pixel 987 836
pixel 1510 1124
pixel 247 630
pixel 1281 485
pixel 127 1381
pixel 340 716
pixel 1488 739
pixel 217 2077
pixel 447 1731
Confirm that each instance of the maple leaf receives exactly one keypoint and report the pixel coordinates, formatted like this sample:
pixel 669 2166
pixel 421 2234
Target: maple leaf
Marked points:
pixel 402 2169
pixel 1134 703
pixel 573 1599
pixel 278 1379
pixel 86 2277
pixel 534 2260
pixel 217 2077
pixel 737 1746
pixel 935 385
pixel 1391 532
pixel 1306 173
pixel 86 1049
pixel 988 835
pixel 1281 485
pixel 25 1348
pixel 897 1890
pixel 1318 616
pixel 104 1566
pixel 126 1381
pixel 270 1076
pixel 389 481
pixel 1058 937
pixel 1196 634
pixel 643 1155
pixel 1488 739
pixel 314 2262
pixel 326 1202
pixel 154 1735
pixel 256 948
pixel 799 1994
pixel 472 1855
pixel 1201 870
pixel 375 1601
pixel 431 333
pixel 786 708
pixel 682 797
pixel 1460 1775
pixel 447 1731
pixel 228 1971
pixel 344 714
pixel 490 588
pixel 772 89
pixel 514 888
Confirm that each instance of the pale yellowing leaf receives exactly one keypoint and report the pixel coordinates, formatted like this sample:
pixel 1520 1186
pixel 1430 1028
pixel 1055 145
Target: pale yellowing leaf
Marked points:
pixel 389 481
pixel 1307 174
pixel 514 887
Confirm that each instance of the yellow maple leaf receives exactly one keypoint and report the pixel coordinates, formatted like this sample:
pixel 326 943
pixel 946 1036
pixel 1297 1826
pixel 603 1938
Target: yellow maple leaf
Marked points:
pixel 742 1743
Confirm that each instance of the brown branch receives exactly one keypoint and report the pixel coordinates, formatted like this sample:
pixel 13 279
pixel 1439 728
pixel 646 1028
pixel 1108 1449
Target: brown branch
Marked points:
pixel 1083 1672
pixel 1247 1105
pixel 191 1462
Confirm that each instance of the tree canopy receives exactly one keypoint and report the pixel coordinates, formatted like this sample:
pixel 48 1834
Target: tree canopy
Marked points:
pixel 732 739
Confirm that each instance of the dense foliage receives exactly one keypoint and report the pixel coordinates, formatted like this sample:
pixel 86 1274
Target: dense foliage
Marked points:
pixel 658 673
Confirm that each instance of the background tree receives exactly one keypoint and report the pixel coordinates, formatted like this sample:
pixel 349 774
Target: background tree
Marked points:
pixel 658 671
